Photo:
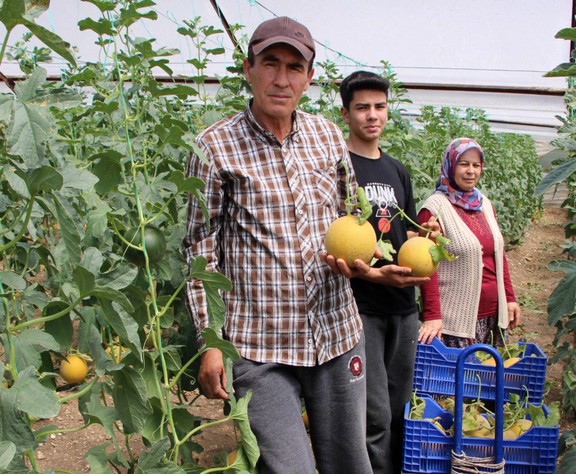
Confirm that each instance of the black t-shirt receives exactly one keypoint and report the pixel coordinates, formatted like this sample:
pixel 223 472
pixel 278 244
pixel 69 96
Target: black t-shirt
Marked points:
pixel 387 183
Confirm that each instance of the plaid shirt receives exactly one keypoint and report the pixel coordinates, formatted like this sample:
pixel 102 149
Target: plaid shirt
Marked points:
pixel 269 207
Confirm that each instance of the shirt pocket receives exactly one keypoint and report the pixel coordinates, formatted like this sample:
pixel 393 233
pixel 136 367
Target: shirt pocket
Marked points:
pixel 325 185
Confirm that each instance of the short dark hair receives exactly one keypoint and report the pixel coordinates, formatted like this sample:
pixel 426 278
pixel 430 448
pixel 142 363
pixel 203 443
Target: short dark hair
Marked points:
pixel 361 80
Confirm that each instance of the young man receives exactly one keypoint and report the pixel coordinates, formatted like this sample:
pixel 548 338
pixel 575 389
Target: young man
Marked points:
pixel 275 179
pixel 384 293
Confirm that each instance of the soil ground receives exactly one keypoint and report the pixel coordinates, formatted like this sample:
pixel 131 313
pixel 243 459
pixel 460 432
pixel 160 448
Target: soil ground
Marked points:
pixel 532 281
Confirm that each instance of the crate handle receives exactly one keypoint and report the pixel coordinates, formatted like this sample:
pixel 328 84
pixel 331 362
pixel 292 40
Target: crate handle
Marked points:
pixel 499 400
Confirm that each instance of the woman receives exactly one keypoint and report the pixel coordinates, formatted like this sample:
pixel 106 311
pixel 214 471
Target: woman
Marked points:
pixel 469 300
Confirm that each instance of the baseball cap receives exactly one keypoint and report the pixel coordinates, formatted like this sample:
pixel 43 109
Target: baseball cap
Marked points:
pixel 283 30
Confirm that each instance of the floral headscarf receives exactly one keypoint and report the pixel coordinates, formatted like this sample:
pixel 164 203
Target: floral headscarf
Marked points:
pixel 470 200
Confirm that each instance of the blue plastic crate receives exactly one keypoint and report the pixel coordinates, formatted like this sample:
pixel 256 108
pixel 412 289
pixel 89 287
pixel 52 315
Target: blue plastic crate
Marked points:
pixel 429 450
pixel 435 369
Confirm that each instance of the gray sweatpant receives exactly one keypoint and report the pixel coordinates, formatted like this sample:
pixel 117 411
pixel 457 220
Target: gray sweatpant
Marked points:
pixel 390 353
pixel 335 398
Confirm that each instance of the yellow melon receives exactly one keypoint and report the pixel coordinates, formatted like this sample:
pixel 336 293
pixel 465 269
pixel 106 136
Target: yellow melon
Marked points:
pixel 349 240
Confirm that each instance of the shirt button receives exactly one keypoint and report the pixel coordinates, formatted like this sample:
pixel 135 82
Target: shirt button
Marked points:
pixel 300 211
pixel 309 341
pixel 309 278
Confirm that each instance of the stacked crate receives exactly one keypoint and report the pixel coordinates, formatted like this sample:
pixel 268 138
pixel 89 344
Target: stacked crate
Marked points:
pixel 429 450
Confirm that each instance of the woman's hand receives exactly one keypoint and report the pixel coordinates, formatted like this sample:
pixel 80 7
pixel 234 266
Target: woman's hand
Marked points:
pixel 429 330
pixel 514 315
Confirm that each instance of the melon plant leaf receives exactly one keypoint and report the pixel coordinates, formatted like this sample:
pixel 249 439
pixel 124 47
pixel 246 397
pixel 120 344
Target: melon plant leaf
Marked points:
pixel 150 431
pixel 29 345
pixel 32 397
pixel 12 280
pixel 26 133
pixel 239 413
pixel 7 453
pixel 119 276
pixel 152 460
pixel 97 220
pixel 213 341
pixel 13 427
pixel 43 179
pixel 61 329
pixel 85 281
pixel 557 175
pixel 568 462
pixel 567 34
pixel 93 410
pixel 101 27
pixel 213 282
pixel 78 179
pixel 26 91
pixel 387 250
pixel 69 231
pixel 561 302
pixel 6 107
pixel 107 168
pixel 122 323
pixel 181 91
pixel 130 399
pixel 16 182
pixel 52 40
pixel 562 70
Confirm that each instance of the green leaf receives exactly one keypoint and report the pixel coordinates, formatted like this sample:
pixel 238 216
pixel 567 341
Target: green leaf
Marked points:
pixel 29 345
pixel 13 280
pixel 179 90
pixel 11 13
pixel 562 301
pixel 556 176
pixel 213 283
pixel 154 456
pixel 440 253
pixel 566 33
pixel 7 453
pixel 27 131
pixel 122 323
pixel 6 107
pixel 13 427
pixel 60 329
pixel 68 229
pixel 568 462
pixel 212 340
pixel 239 413
pixel 107 167
pixel 130 399
pixel 16 181
pixel 32 397
pixel 387 250
pixel 43 179
pixel 27 90
pixel 52 40
pixel 76 178
pixel 562 70
pixel 101 27
pixel 93 410
pixel 119 276
pixel 85 281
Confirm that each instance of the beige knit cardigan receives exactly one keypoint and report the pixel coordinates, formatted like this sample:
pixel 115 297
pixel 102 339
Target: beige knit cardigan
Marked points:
pixel 461 280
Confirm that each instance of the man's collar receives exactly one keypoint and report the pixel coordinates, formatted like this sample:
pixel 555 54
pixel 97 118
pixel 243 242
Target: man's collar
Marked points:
pixel 293 135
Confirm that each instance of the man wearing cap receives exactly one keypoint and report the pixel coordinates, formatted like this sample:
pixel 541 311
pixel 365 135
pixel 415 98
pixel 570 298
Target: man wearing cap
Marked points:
pixel 275 179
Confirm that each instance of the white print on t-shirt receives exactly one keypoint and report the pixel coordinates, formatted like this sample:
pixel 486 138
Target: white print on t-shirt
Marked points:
pixel 381 196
